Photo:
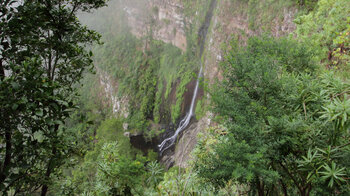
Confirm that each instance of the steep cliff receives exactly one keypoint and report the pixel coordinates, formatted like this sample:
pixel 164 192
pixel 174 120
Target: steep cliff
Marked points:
pixel 233 19
pixel 213 97
pixel 165 17
pixel 167 75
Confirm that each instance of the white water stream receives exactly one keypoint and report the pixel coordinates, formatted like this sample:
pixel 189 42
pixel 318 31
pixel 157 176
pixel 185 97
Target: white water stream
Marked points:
pixel 168 142
pixel 185 121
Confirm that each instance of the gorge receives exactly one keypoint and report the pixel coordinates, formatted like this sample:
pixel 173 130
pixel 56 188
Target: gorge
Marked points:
pixel 174 97
pixel 184 122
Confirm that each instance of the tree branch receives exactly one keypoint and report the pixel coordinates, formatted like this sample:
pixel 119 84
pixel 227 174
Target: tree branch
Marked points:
pixel 291 176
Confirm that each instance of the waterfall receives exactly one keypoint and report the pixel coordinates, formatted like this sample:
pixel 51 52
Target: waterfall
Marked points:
pixel 168 142
pixel 185 121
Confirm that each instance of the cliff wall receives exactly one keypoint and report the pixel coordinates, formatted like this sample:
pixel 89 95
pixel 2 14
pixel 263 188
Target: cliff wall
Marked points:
pixel 164 16
pixel 177 22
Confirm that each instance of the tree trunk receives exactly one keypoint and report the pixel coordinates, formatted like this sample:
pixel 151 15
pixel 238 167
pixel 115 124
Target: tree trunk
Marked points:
pixel 305 191
pixel 284 188
pixel 260 187
pixel 8 157
pixel 48 172
pixel 2 71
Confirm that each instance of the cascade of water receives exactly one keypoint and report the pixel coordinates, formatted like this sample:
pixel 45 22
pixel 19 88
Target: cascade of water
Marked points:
pixel 186 120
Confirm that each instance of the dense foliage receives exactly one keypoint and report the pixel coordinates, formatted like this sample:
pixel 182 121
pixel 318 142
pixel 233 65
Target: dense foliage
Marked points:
pixel 327 30
pixel 42 56
pixel 281 110
pixel 286 127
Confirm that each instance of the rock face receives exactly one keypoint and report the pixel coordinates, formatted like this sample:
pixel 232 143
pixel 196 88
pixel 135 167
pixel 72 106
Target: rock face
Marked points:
pixel 166 19
pixel 189 139
pixel 224 24
pixel 171 22
pixel 168 22
pixel 119 104
pixel 232 19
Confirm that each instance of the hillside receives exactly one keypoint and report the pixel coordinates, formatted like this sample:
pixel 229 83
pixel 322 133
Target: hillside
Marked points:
pixel 177 23
pixel 176 97
pixel 147 76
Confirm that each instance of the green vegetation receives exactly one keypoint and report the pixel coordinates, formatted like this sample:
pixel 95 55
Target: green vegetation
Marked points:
pixel 200 108
pixel 100 171
pixel 144 74
pixel 281 111
pixel 286 135
pixel 327 29
pixel 262 15
pixel 157 102
pixel 180 90
pixel 42 56
pixel 283 107
pixel 309 5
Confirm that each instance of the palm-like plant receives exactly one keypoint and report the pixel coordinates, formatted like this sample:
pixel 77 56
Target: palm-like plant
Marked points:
pixel 156 173
pixel 333 174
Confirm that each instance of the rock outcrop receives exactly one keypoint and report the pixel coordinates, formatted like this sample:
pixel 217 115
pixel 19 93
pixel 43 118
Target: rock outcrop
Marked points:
pixel 119 104
pixel 165 17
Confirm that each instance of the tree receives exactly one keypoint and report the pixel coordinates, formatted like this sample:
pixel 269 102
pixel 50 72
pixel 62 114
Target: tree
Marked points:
pixel 327 29
pixel 43 55
pixel 277 112
pixel 118 174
